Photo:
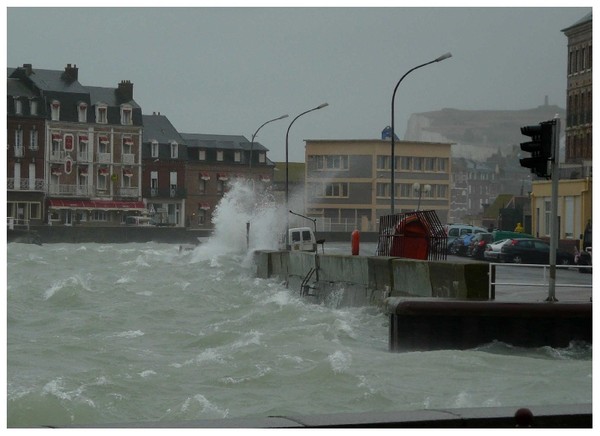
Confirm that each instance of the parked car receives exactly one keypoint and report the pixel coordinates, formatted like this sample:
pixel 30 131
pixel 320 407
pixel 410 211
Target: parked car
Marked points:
pixel 478 244
pixel 454 231
pixel 492 250
pixel 522 250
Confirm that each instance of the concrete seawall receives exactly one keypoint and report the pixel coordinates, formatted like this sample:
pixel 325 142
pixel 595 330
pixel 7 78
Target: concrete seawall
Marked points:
pixel 363 280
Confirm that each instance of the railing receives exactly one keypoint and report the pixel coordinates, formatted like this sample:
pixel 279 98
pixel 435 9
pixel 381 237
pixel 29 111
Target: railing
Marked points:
pixel 129 192
pixel 71 190
pixel 128 159
pixel 12 223
pixel 84 157
pixel 164 192
pixel 104 158
pixel 545 282
pixel 57 156
pixel 22 184
pixel 328 225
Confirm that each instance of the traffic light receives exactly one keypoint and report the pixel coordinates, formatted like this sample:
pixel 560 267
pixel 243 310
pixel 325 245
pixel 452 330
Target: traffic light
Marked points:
pixel 540 147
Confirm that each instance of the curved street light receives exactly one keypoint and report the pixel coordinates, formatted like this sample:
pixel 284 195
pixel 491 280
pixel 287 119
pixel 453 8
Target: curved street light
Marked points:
pixel 392 188
pixel 287 173
pixel 417 187
pixel 321 106
pixel 255 133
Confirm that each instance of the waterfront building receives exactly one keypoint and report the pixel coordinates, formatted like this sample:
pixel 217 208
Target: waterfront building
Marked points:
pixel 213 163
pixel 164 157
pixel 348 182
pixel 91 154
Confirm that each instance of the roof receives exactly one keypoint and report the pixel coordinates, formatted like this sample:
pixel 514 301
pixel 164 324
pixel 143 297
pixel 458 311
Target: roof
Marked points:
pixel 158 128
pixel 16 88
pixel 584 20
pixel 53 80
pixel 106 95
pixel 221 142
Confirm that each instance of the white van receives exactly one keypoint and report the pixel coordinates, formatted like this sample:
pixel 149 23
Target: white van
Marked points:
pixel 302 239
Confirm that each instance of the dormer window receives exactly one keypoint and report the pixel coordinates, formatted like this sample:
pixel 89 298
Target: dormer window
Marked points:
pixel 82 112
pixel 237 156
pixel 33 106
pixel 201 154
pixel 154 148
pixel 220 155
pixel 55 110
pixel 101 114
pixel 18 106
pixel 262 157
pixel 174 150
pixel 126 117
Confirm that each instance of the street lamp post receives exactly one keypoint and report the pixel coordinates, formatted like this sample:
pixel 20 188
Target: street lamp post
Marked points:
pixel 287 173
pixel 420 189
pixel 393 164
pixel 255 133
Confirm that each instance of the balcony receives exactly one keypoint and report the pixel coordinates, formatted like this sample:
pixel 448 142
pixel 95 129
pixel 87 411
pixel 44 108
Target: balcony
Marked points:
pixel 57 156
pixel 104 158
pixel 128 159
pixel 128 192
pixel 84 157
pixel 25 184
pixel 70 190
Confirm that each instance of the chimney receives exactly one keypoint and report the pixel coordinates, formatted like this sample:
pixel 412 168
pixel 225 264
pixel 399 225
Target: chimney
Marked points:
pixel 28 69
pixel 125 91
pixel 71 73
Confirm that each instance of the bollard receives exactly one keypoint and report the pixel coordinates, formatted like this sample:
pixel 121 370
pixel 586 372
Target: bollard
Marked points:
pixel 355 242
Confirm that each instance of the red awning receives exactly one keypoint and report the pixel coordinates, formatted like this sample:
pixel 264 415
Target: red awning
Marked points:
pixel 58 203
pixel 56 137
pixel 103 171
pixel 103 139
pixel 83 138
pixel 222 177
pixel 205 176
pixel 128 141
pixel 204 206
pixel 127 172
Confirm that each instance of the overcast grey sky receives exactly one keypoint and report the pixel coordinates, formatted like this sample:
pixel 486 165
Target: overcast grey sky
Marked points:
pixel 226 71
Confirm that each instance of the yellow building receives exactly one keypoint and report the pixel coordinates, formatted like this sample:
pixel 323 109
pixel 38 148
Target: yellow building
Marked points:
pixel 348 181
pixel 574 207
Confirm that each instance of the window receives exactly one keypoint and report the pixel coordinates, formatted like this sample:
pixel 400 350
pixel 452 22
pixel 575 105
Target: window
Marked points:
pixel 406 190
pixel 262 157
pixel 102 181
pixel 201 184
pixel 101 114
pixel 127 144
pixel 18 106
pixel 220 186
pixel 33 139
pixel 383 162
pixel 126 117
pixel 335 190
pixel 383 190
pixel 82 112
pixel 154 183
pixel 405 163
pixel 99 215
pixel 55 110
pixel 332 162
pixel 417 163
pixel 174 150
pixel 219 155
pixel 430 164
pixel 548 217
pixel 33 106
pixel 442 164
pixel 154 148
pixel 201 154
pixel 103 144
pixel 237 156
pixel 201 216
pixel 173 183
pixel 442 191
pixel 18 138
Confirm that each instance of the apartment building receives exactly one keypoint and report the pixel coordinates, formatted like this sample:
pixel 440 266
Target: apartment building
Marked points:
pixel 90 140
pixel 164 157
pixel 213 163
pixel 348 182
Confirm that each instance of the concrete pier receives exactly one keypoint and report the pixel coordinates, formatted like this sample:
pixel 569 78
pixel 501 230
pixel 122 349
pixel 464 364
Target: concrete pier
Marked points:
pixel 429 324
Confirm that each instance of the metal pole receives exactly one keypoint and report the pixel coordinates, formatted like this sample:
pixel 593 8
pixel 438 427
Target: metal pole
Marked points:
pixel 393 164
pixel 554 210
pixel 287 173
pixel 255 133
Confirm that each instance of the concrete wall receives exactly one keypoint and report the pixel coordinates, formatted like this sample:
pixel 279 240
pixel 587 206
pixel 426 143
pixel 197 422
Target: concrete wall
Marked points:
pixel 362 280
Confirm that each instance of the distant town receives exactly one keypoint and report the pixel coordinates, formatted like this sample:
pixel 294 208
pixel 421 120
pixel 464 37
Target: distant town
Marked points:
pixel 81 155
